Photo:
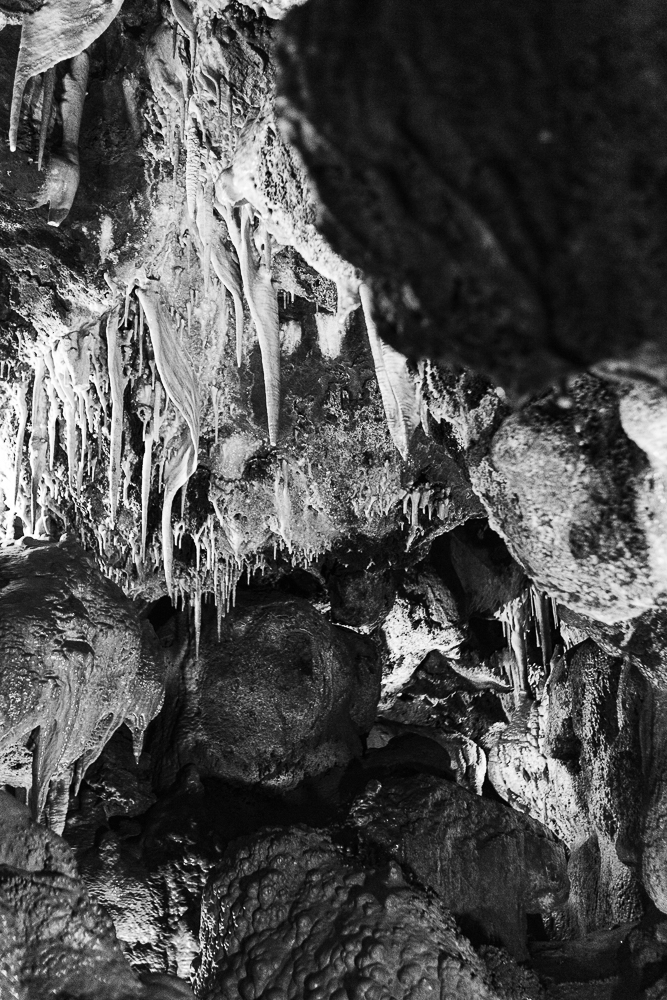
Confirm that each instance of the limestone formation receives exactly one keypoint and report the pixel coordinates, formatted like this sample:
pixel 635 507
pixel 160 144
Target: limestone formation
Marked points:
pixel 281 695
pixel 488 865
pixel 333 465
pixel 292 916
pixel 78 663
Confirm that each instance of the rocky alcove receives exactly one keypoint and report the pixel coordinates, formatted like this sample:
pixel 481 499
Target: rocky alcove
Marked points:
pixel 333 499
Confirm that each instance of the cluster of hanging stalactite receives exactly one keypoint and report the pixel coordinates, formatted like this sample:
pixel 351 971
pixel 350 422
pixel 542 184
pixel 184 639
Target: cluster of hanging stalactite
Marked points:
pixel 231 236
pixel 80 380
pixel 530 626
pixel 78 398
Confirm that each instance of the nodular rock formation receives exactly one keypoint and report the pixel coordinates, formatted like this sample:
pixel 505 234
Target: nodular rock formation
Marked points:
pixel 333 499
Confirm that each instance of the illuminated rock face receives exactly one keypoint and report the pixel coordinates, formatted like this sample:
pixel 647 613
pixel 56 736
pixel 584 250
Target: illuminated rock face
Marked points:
pixel 78 662
pixel 269 556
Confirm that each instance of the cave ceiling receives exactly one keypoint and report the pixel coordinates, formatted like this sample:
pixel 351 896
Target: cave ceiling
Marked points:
pixel 333 499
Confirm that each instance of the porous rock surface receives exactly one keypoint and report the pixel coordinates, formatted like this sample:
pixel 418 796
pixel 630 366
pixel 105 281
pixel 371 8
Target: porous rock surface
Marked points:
pixel 292 917
pixel 488 864
pixel 600 549
pixel 282 695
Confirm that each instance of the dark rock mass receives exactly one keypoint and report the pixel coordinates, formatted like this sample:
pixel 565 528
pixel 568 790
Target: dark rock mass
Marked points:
pixel 333 500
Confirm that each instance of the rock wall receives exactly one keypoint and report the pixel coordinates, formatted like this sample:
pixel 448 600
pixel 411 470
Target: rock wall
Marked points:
pixel 332 499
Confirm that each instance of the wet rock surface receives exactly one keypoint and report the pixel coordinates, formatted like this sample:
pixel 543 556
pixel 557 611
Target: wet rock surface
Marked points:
pixel 336 662
pixel 78 662
pixel 294 916
pixel 56 941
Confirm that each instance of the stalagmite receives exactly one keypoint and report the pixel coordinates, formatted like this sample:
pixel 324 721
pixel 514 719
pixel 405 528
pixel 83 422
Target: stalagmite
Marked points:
pixel 397 387
pixel 180 385
pixel 39 437
pixel 263 302
pixel 117 386
pixel 57 30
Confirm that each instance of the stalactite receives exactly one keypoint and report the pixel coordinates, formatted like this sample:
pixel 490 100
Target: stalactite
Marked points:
pixel 38 443
pixel 57 801
pixel 48 87
pixel 180 385
pixel 397 387
pixel 197 603
pixel 263 302
pixel 216 412
pixel 192 162
pixel 540 606
pixel 62 175
pixel 127 466
pixel 141 337
pixel 183 16
pixel 54 32
pixel 151 438
pixel 226 266
pixel 83 424
pixel 117 387
pixel 205 227
pixel 514 617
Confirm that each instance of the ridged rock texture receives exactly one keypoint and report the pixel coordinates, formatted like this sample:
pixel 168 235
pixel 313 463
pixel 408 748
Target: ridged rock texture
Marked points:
pixel 333 499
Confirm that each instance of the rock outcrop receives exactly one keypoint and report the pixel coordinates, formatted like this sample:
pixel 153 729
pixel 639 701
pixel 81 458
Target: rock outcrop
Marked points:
pixel 502 229
pixel 489 865
pixel 55 941
pixel 78 662
pixel 281 696
pixel 287 913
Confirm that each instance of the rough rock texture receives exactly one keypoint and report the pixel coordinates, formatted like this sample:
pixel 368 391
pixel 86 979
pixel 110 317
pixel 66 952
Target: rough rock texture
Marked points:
pixel 286 914
pixel 489 865
pixel 573 760
pixel 54 940
pixel 600 549
pixel 150 872
pixel 77 663
pixel 194 385
pixel 25 844
pixel 283 695
pixel 424 617
pixel 504 228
